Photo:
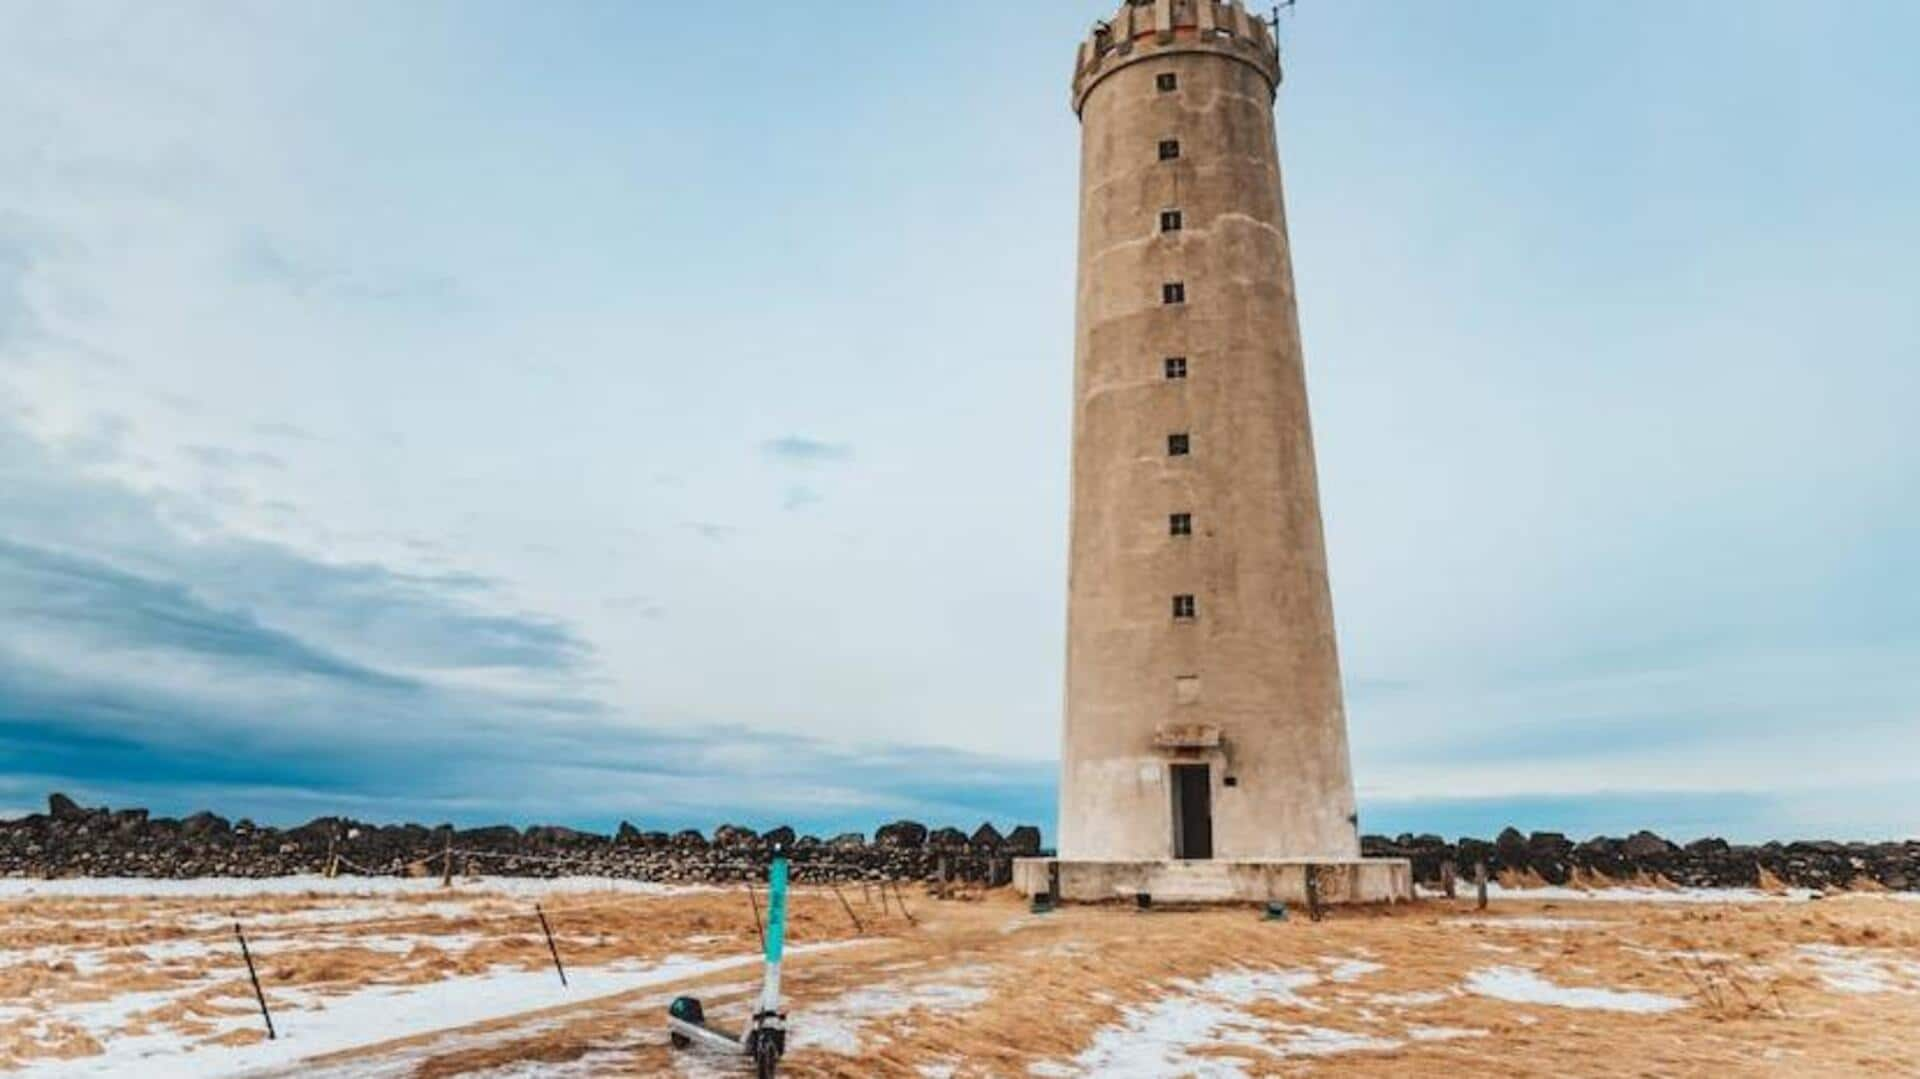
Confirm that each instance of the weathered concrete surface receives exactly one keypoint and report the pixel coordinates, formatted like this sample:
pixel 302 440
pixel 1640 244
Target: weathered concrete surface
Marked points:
pixel 1339 883
pixel 1257 666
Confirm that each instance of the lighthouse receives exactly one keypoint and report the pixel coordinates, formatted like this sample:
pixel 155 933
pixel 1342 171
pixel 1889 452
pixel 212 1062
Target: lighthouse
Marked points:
pixel 1205 741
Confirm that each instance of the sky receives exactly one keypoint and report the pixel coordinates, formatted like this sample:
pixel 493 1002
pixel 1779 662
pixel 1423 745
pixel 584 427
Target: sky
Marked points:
pixel 579 412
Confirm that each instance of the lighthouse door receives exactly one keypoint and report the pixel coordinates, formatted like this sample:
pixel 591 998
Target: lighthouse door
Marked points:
pixel 1192 812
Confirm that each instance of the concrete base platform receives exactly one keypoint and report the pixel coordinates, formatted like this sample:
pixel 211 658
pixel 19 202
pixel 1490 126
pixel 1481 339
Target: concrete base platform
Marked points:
pixel 1339 881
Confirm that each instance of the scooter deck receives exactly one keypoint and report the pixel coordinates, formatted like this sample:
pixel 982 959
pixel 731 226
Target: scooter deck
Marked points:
pixel 701 1034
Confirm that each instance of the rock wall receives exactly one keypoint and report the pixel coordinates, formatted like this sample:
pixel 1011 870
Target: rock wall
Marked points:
pixel 71 841
pixel 1707 863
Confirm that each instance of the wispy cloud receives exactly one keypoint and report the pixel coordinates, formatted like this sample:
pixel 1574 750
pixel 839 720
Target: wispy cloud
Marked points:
pixel 288 431
pixel 798 450
pixel 222 459
pixel 311 277
pixel 638 606
pixel 17 319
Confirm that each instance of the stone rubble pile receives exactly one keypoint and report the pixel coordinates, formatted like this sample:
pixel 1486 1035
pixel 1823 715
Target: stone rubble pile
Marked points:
pixel 1643 856
pixel 72 841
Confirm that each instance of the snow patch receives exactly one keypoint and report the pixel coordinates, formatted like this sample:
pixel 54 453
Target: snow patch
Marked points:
pixel 1534 923
pixel 836 1025
pixel 1159 1039
pixel 1349 970
pixel 1412 1000
pixel 311 1023
pixel 1862 971
pixel 1443 1034
pixel 1640 895
pixel 366 887
pixel 1527 987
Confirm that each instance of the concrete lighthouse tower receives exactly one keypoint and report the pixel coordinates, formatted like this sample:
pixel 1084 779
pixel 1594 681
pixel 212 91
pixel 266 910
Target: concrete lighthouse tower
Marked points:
pixel 1205 751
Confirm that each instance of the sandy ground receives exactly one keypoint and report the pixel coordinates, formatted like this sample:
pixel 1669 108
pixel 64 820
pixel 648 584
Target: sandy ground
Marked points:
pixel 422 983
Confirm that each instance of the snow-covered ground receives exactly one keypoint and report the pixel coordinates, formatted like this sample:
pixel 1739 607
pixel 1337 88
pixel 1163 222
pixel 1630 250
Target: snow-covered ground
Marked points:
pixel 1518 986
pixel 1629 895
pixel 1177 1034
pixel 121 987
pixel 344 887
pixel 310 1025
pixel 133 989
pixel 1864 970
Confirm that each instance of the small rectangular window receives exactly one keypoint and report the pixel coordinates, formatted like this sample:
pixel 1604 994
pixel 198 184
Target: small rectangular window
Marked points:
pixel 1173 292
pixel 1180 524
pixel 1171 221
pixel 1167 82
pixel 1185 608
pixel 1169 149
pixel 1176 367
pixel 1179 446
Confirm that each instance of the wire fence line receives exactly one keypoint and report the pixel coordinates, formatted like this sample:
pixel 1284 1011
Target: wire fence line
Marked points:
pixel 533 913
pixel 282 932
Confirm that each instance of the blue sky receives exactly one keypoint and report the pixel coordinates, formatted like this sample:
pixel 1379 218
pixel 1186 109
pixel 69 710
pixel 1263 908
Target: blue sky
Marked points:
pixel 478 411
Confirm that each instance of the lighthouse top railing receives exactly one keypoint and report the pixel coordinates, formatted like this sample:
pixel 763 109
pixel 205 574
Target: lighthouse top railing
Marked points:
pixel 1143 29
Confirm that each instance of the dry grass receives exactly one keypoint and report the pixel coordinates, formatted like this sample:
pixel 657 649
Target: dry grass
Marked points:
pixel 984 988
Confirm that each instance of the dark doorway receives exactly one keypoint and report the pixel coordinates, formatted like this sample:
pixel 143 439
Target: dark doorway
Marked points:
pixel 1192 812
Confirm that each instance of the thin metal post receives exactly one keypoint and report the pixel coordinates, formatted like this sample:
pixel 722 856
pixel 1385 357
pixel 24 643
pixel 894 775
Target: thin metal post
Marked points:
pixel 254 975
pixel 858 929
pixel 902 900
pixel 759 929
pixel 1313 893
pixel 446 869
pixel 1480 882
pixel 1447 882
pixel 552 948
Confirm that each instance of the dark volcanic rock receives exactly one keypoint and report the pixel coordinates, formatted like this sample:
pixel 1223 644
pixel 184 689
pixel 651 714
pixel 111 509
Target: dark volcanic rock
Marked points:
pixel 205 824
pixel 1024 841
pixel 903 833
pixel 733 835
pixel 62 808
pixel 73 840
pixel 1642 846
pixel 1511 848
pixel 498 837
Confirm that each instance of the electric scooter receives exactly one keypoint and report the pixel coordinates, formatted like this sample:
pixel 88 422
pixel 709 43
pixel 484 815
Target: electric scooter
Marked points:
pixel 765 1041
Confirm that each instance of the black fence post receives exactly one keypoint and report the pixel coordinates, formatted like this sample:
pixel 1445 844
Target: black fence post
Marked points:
pixel 552 948
pixel 254 975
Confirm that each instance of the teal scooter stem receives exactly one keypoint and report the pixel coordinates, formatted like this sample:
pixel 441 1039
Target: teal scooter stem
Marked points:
pixel 766 1039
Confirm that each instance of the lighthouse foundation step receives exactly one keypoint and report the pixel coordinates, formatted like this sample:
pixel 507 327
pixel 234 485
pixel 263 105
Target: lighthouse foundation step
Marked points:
pixel 1335 881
